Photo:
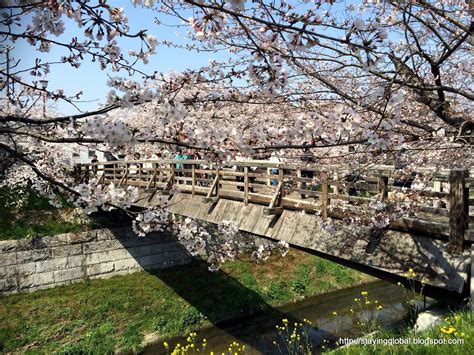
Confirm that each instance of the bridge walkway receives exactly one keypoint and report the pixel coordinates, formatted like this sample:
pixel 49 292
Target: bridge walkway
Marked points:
pixel 268 199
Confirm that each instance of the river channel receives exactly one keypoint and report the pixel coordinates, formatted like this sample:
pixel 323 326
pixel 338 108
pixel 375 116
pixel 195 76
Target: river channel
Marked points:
pixel 332 315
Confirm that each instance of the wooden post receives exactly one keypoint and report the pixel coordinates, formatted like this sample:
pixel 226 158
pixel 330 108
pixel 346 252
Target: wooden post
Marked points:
pixel 173 174
pixel 246 185
pixel 115 172
pixel 275 204
pixel 218 180
pixel 88 173
pixel 139 166
pixel 325 196
pixel 383 187
pixel 281 178
pixel 77 173
pixel 193 176
pixel 458 210
pixel 299 184
pixel 127 170
pixel 335 188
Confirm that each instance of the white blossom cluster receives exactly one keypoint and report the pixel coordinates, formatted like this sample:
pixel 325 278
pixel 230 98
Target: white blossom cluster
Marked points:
pixel 268 74
pixel 151 220
pixel 191 235
pixel 93 196
pixel 222 244
pixel 264 251
pixel 114 132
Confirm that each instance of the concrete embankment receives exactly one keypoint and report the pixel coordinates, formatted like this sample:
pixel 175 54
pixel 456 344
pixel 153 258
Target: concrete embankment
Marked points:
pixel 29 265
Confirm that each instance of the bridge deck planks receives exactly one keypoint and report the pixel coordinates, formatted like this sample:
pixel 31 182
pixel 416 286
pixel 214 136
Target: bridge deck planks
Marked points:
pixel 394 253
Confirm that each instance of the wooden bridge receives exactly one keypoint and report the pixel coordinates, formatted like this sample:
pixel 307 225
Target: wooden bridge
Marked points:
pixel 268 199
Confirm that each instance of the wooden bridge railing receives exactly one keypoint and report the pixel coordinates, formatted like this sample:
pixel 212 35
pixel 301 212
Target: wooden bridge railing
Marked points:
pixel 314 189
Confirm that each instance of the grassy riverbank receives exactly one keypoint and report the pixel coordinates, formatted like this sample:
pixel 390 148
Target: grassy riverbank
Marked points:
pixel 458 327
pixel 25 214
pixel 102 315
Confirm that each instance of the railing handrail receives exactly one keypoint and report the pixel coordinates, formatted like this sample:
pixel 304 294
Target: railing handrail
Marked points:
pixel 375 170
pixel 291 179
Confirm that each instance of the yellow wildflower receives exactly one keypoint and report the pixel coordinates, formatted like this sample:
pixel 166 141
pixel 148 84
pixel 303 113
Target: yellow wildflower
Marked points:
pixel 448 330
pixel 364 293
pixel 165 344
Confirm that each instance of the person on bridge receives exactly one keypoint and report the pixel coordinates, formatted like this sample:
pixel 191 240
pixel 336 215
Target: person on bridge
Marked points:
pixel 94 162
pixel 400 164
pixel 180 156
pixel 274 158
pixel 308 158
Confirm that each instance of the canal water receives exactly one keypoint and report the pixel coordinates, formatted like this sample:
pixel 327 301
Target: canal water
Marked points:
pixel 332 315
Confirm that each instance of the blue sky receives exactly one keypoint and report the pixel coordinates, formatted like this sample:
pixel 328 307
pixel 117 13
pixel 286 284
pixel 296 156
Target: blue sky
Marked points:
pixel 90 79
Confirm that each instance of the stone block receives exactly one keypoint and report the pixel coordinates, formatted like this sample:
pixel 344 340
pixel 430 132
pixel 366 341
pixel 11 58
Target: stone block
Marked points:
pixel 152 249
pixel 145 250
pixel 33 255
pixel 83 237
pixel 66 250
pixel 102 245
pixel 105 234
pixel 98 269
pixel 51 265
pixel 135 241
pixel 127 264
pixel 75 261
pixel 8 246
pixel 170 246
pixel 121 233
pixel 8 259
pixel 113 255
pixel 92 258
pixel 178 255
pixel 8 271
pixel 8 285
pixel 151 260
pixel 56 240
pixel 113 274
pixel 26 269
pixel 69 274
pixel 36 280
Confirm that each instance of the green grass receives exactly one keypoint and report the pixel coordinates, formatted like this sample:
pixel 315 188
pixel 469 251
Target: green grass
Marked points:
pixel 35 217
pixel 462 327
pixel 98 316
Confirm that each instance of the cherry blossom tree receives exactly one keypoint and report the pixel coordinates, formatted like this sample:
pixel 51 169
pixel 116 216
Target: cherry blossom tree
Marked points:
pixel 376 76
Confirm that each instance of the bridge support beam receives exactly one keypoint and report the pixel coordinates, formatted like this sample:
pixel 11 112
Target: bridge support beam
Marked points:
pixel 472 278
pixel 458 206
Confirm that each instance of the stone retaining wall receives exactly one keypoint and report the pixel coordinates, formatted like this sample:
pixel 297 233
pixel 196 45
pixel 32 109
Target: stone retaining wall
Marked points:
pixel 28 265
